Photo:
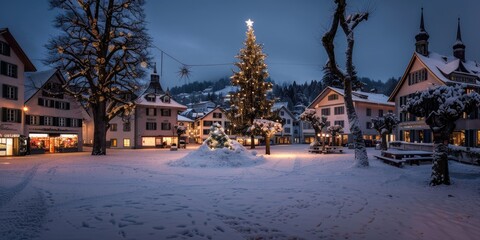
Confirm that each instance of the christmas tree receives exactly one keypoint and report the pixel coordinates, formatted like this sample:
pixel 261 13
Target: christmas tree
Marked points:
pixel 217 138
pixel 250 101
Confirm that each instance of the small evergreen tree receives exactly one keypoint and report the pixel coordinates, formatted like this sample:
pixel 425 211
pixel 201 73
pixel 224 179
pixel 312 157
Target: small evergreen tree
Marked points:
pixel 441 107
pixel 250 101
pixel 217 137
pixel 384 126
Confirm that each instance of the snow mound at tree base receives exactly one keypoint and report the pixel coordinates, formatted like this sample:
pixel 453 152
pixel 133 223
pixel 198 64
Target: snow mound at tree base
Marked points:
pixel 204 157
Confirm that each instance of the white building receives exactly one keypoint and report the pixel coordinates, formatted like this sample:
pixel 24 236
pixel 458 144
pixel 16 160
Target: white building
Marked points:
pixel 203 124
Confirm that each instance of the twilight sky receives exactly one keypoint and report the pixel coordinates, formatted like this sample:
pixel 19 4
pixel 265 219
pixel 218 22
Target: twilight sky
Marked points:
pixel 202 32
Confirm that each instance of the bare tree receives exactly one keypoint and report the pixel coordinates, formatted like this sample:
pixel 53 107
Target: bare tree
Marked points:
pixel 317 122
pixel 100 48
pixel 441 107
pixel 347 77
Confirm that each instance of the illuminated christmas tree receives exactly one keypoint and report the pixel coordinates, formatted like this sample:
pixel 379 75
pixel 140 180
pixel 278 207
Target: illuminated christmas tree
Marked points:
pixel 250 101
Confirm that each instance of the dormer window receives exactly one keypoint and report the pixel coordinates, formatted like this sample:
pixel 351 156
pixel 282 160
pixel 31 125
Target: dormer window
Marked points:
pixel 150 97
pixel 166 99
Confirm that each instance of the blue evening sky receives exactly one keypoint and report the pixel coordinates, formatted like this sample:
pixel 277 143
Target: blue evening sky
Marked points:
pixel 199 32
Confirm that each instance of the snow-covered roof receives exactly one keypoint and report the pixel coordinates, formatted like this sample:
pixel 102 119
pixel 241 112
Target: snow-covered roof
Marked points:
pixel 442 66
pixel 142 101
pixel 368 97
pixel 227 90
pixel 34 81
pixel 181 118
pixel 211 110
pixel 278 105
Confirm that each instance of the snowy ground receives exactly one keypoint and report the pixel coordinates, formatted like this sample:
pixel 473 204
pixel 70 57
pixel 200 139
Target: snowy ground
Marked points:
pixel 135 194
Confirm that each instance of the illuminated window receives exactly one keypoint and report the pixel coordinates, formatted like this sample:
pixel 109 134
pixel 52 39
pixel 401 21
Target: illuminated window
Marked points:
pixel 126 142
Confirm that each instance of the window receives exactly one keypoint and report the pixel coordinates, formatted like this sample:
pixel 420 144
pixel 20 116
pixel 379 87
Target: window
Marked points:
pixel 332 97
pixel 150 97
pixel 390 111
pixel 380 112
pixel 417 76
pixel 207 123
pixel 11 115
pixel 339 110
pixel 113 127
pixel 126 142
pixel 62 105
pixel 369 112
pixel 217 115
pixel 62 122
pixel 369 125
pixel 282 113
pixel 126 127
pixel 9 92
pixel 166 112
pixel 8 69
pixel 151 111
pixel 34 120
pixel 166 126
pixel 113 142
pixel 288 121
pixel 325 111
pixel 206 131
pixel 48 121
pixel 341 123
pixel 75 122
pixel 166 99
pixel 286 130
pixel 4 48
pixel 151 126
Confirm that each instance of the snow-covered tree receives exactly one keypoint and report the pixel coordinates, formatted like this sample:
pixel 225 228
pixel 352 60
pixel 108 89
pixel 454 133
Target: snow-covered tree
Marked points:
pixel 334 131
pixel 250 101
pixel 441 107
pixel 267 129
pixel 347 77
pixel 317 122
pixel 384 126
pixel 217 137
pixel 100 48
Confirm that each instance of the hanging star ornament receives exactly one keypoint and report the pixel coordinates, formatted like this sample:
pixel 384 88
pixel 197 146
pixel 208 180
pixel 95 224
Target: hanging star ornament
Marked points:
pixel 184 72
pixel 249 23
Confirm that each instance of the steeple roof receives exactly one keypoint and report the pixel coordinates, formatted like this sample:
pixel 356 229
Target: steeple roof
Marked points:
pixel 458 43
pixel 422 35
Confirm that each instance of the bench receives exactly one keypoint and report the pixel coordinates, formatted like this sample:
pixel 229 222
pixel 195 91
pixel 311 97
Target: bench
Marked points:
pixel 417 160
pixel 331 149
pixel 315 149
pixel 393 161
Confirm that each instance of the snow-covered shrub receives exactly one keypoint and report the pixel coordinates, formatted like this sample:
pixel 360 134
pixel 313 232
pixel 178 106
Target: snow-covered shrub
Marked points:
pixel 217 138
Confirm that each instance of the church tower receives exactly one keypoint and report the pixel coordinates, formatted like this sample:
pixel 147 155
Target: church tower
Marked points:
pixel 421 44
pixel 458 46
pixel 154 86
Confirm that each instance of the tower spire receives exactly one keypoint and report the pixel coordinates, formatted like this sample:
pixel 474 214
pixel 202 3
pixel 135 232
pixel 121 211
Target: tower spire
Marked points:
pixel 458 46
pixel 421 44
pixel 155 67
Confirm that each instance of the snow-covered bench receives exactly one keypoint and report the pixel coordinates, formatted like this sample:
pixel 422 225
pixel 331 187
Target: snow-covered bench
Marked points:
pixel 417 159
pixel 331 149
pixel 393 161
pixel 315 149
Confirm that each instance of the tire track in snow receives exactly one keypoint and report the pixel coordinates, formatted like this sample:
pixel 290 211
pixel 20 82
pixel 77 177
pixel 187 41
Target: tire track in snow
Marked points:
pixel 6 194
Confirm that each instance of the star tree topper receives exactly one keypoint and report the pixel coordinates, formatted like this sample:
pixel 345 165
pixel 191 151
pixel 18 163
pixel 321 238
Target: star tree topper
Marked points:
pixel 249 23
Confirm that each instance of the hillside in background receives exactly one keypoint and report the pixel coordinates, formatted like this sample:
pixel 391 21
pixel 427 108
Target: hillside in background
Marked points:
pixel 292 93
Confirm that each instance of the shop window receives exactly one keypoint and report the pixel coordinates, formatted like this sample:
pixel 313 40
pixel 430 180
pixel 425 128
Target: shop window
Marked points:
pixel 126 142
pixel 113 142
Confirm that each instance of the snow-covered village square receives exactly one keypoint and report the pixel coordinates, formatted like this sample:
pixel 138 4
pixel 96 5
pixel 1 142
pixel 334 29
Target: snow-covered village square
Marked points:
pixel 212 119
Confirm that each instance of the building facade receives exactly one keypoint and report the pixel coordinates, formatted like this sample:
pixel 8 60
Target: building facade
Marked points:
pixel 13 64
pixel 53 120
pixel 330 103
pixel 202 124
pixel 427 69
pixel 288 120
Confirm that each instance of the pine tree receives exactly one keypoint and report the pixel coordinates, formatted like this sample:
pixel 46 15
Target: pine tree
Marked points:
pixel 250 101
